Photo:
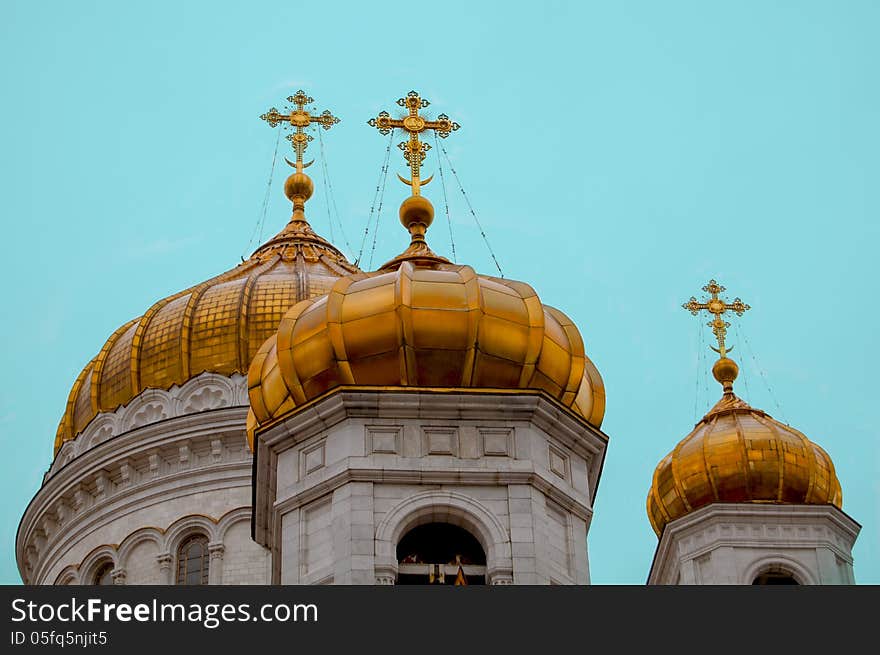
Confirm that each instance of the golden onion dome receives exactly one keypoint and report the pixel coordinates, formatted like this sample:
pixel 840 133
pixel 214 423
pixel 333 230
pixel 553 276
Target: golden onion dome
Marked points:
pixel 217 326
pixel 421 321
pixel 739 454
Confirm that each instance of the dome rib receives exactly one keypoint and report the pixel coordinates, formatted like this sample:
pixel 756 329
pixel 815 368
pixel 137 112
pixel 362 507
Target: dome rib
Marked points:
pixel 677 482
pixel 472 299
pixel 578 360
pixel 186 326
pixel 439 326
pixel 706 467
pixel 409 370
pixel 741 440
pixel 297 264
pixel 137 340
pixel 780 456
pixel 244 304
pixel 65 427
pixel 98 367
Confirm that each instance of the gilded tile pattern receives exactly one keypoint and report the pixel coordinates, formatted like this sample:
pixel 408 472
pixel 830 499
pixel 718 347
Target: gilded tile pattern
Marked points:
pixel 738 454
pixel 213 332
pixel 160 354
pixel 216 326
pixel 111 378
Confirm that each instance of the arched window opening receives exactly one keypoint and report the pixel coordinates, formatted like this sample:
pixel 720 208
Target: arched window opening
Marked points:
pixel 775 576
pixel 440 553
pixel 192 561
pixel 104 574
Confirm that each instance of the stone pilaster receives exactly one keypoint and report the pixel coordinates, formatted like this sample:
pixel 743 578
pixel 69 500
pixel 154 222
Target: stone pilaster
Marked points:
pixel 164 560
pixel 215 570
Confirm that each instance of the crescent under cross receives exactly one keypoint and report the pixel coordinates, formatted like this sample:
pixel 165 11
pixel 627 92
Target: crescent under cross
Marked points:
pixel 414 150
pixel 300 119
pixel 717 307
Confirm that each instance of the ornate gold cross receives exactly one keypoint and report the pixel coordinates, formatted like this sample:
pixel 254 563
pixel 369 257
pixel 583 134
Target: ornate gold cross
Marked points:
pixel 300 119
pixel 414 151
pixel 716 306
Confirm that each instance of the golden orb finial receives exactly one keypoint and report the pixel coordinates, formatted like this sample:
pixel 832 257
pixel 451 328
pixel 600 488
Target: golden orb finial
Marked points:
pixel 299 186
pixel 725 371
pixel 416 215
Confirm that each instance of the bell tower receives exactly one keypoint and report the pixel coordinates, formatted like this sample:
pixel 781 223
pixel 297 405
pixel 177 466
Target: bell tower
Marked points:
pixel 424 424
pixel 744 498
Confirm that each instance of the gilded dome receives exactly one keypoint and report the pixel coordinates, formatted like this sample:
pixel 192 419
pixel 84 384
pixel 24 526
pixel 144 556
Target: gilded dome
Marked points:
pixel 423 322
pixel 738 454
pixel 216 326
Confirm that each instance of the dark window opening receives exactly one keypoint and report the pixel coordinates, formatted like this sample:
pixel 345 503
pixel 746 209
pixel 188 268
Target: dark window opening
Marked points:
pixel 104 574
pixel 192 561
pixel 774 577
pixel 440 553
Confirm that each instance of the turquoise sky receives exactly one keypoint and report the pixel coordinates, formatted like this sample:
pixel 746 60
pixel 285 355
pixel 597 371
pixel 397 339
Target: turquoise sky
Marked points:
pixel 618 155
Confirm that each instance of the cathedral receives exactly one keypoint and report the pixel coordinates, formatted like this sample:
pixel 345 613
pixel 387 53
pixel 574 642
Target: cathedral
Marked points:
pixel 299 420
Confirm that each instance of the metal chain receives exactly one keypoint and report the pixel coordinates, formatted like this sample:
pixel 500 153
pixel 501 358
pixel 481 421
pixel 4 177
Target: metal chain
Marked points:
pixel 445 200
pixel 704 364
pixel 763 377
pixel 473 213
pixel 262 219
pixel 383 174
pixel 378 216
pixel 333 198
pixel 697 376
pixel 745 378
pixel 326 191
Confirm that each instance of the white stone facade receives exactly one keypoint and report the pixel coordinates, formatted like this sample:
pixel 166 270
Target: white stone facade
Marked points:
pixel 340 482
pixel 138 481
pixel 734 543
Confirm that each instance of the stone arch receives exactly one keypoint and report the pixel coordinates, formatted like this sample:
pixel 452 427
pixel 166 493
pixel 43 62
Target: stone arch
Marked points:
pixel 181 530
pixel 229 519
pixel 150 406
pixel 204 392
pixel 100 429
pixel 439 506
pixel 94 560
pixel 137 537
pixel 187 526
pixel 65 456
pixel 68 576
pixel 778 563
pixel 133 566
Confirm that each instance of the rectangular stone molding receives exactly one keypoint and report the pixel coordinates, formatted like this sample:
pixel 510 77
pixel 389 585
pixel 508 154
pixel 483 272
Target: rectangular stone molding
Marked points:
pixel 558 543
pixel 497 442
pixel 316 544
pixel 384 439
pixel 312 458
pixel 440 440
pixel 559 462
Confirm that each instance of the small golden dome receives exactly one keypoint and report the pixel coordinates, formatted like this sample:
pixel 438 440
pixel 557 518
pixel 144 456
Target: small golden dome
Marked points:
pixel 216 326
pixel 438 325
pixel 738 454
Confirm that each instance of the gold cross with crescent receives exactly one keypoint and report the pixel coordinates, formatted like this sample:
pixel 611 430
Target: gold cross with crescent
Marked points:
pixel 414 151
pixel 716 306
pixel 300 119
